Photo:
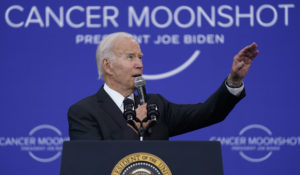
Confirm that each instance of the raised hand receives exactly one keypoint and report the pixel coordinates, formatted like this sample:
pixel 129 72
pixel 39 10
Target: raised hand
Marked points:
pixel 241 64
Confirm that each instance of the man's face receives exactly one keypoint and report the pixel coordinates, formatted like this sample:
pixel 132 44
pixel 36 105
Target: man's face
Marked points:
pixel 127 64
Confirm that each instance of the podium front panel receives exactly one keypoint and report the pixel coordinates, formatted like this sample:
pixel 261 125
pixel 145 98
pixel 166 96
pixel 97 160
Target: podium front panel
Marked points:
pixel 179 157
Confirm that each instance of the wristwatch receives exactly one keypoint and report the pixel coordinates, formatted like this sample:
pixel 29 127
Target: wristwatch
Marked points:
pixel 233 85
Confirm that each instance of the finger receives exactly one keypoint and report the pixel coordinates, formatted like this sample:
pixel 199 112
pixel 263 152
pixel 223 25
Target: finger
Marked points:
pixel 249 49
pixel 141 106
pixel 256 53
pixel 145 124
pixel 238 66
pixel 243 54
pixel 247 56
pixel 254 46
pixel 251 56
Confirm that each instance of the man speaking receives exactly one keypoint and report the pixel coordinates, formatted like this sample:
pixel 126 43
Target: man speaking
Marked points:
pixel 115 113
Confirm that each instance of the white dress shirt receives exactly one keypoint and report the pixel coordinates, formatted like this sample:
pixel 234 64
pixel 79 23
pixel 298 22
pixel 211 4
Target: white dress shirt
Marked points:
pixel 117 97
pixel 235 91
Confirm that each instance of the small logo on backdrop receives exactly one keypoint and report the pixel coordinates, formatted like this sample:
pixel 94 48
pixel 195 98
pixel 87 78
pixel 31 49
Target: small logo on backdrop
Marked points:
pixel 256 143
pixel 43 143
pixel 141 164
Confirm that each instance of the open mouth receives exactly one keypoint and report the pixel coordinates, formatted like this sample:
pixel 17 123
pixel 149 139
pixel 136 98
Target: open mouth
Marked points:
pixel 136 75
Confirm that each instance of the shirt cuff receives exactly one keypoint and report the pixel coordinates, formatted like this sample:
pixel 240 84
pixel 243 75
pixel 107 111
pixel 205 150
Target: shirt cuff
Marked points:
pixel 235 91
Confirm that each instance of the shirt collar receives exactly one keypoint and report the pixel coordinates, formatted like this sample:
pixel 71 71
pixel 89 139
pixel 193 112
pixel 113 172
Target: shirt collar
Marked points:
pixel 116 96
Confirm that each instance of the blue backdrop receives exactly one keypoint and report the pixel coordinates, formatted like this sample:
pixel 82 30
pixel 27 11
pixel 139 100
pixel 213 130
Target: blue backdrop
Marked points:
pixel 48 63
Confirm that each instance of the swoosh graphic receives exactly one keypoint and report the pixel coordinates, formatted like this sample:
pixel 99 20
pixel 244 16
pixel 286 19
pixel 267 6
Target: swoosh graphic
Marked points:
pixel 255 159
pixel 174 71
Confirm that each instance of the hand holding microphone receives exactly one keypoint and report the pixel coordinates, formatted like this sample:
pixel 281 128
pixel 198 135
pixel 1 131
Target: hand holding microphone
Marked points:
pixel 150 113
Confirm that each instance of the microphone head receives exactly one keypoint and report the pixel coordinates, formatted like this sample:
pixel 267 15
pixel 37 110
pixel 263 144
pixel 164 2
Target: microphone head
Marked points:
pixel 139 82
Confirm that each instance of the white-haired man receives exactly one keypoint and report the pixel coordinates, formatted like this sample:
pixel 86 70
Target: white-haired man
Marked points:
pixel 119 62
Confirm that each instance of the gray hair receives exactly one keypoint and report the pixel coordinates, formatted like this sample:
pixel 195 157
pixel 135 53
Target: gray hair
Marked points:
pixel 105 49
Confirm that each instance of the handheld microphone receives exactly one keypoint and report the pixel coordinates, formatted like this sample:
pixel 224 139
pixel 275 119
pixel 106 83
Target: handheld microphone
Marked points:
pixel 152 109
pixel 139 83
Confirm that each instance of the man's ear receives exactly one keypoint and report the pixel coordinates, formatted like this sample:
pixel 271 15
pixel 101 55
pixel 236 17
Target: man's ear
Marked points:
pixel 106 64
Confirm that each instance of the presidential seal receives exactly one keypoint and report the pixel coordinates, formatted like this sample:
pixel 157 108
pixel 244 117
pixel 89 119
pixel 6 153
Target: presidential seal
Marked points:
pixel 141 164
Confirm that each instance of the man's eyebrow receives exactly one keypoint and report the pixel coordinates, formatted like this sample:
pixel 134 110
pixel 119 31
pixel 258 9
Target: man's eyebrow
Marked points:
pixel 131 53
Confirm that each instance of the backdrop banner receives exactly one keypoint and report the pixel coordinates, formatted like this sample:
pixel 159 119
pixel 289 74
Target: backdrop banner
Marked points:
pixel 48 63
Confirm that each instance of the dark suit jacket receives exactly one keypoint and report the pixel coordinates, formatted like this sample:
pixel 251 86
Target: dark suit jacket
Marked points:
pixel 97 117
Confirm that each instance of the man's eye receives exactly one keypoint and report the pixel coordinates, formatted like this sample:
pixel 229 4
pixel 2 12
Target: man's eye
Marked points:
pixel 130 56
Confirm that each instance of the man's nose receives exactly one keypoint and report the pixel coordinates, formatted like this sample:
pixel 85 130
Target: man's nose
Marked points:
pixel 139 64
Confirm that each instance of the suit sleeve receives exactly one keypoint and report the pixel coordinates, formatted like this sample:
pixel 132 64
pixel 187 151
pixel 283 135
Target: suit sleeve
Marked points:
pixel 184 118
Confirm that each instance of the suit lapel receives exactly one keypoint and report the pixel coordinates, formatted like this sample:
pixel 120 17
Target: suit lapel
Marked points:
pixel 112 110
pixel 115 114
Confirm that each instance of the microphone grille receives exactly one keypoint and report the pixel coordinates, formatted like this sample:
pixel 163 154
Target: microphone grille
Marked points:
pixel 139 81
